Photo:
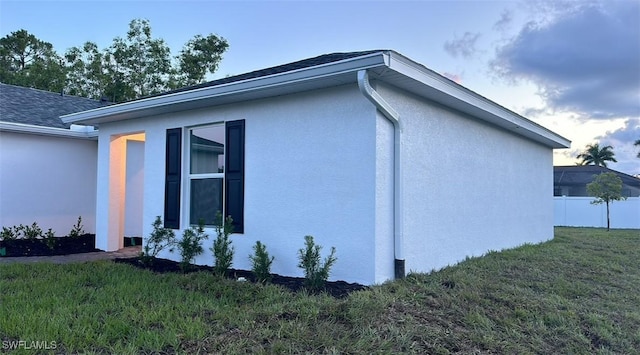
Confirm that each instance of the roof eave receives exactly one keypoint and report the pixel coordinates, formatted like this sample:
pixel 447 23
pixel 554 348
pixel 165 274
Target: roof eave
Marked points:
pixel 261 87
pixel 451 94
pixel 46 131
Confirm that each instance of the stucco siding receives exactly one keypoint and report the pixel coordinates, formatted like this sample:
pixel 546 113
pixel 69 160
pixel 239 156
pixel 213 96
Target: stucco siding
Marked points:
pixel 384 242
pixel 49 180
pixel 468 187
pixel 310 169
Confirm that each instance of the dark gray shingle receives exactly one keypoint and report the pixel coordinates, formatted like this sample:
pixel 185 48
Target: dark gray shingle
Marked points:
pixel 38 107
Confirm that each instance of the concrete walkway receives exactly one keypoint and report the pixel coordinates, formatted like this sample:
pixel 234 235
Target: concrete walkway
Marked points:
pixel 128 252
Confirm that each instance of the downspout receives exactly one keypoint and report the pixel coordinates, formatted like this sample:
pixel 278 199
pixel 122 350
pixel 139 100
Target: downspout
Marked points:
pixel 394 118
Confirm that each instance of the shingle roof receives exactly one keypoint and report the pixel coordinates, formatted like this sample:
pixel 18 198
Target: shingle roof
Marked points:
pixel 305 63
pixel 41 108
pixel 583 174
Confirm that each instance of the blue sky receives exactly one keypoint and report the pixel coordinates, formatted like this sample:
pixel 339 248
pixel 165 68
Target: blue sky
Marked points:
pixel 571 66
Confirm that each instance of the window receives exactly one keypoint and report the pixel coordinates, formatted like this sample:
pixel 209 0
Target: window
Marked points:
pixel 214 174
pixel 206 173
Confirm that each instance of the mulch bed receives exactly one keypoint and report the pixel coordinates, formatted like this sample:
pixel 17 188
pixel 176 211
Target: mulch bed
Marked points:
pixel 337 289
pixel 38 247
pixel 86 244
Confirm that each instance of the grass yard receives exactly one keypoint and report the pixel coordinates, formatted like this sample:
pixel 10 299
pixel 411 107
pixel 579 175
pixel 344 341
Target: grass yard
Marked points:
pixel 579 293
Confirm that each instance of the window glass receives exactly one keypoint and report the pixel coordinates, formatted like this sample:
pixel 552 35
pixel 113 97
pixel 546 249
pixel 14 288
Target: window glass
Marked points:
pixel 206 200
pixel 207 150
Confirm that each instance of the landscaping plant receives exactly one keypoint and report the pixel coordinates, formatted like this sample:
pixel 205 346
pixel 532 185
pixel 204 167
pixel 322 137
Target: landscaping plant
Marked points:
pixel 222 249
pixel 49 239
pixel 190 245
pixel 77 229
pixel 261 262
pixel 159 239
pixel 8 233
pixel 32 232
pixel 315 272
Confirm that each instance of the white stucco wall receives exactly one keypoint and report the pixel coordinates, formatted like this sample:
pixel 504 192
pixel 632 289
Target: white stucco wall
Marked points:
pixel 134 189
pixel 468 187
pixel 47 179
pixel 310 169
pixel 579 212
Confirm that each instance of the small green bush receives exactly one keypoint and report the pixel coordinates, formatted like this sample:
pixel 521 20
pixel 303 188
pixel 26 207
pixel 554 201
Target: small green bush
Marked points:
pixel 159 239
pixel 78 229
pixel 315 272
pixel 9 233
pixel 222 249
pixel 32 232
pixel 190 245
pixel 50 239
pixel 261 262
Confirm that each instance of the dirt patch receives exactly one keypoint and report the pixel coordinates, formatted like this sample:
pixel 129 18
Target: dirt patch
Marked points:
pixel 338 289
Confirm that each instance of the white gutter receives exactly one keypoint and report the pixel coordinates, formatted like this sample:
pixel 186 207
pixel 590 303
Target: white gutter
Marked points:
pixel 145 107
pixel 47 131
pixel 394 118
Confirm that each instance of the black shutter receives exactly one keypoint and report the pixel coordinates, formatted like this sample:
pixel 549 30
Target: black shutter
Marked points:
pixel 172 179
pixel 234 174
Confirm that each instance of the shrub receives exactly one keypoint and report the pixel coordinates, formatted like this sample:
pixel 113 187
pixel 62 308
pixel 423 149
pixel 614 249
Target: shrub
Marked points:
pixel 190 245
pixel 9 233
pixel 159 239
pixel 78 229
pixel 222 249
pixel 50 239
pixel 32 232
pixel 315 273
pixel 261 262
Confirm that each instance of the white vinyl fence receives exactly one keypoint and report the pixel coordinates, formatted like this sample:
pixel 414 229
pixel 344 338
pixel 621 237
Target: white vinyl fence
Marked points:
pixel 579 212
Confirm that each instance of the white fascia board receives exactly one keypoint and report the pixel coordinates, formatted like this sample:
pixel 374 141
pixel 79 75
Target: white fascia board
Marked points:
pixel 46 131
pixel 470 102
pixel 141 108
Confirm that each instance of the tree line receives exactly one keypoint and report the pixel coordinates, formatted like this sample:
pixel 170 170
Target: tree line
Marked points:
pixel 134 66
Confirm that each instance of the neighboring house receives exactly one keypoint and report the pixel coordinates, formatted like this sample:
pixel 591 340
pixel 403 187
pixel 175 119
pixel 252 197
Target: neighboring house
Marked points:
pixel 47 168
pixel 573 180
pixel 361 150
pixel 573 206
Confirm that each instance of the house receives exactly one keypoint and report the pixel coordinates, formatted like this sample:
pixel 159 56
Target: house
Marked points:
pixel 362 150
pixel 573 206
pixel 573 180
pixel 47 167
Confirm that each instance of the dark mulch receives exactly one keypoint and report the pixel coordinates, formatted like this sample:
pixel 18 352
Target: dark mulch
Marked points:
pixel 38 247
pixel 336 289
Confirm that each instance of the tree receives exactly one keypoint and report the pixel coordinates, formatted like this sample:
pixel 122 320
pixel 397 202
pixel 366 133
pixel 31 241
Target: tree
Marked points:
pixel 637 143
pixel 139 65
pixel 86 75
pixel 606 188
pixel 594 155
pixel 27 61
pixel 199 56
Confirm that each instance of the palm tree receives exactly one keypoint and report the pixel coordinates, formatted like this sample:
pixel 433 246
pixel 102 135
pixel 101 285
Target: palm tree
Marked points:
pixel 638 144
pixel 594 155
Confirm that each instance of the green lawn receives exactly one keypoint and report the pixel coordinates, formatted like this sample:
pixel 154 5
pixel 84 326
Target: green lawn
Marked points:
pixel 579 293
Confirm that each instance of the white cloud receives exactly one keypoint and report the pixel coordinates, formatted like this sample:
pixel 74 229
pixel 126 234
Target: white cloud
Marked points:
pixel 464 46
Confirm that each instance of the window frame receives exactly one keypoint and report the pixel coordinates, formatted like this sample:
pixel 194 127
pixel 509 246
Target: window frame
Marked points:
pixel 188 176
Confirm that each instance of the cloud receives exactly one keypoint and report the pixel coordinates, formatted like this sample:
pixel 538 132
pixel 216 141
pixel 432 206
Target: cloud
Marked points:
pixel 629 133
pixel 464 46
pixel 453 77
pixel 622 140
pixel 506 17
pixel 585 60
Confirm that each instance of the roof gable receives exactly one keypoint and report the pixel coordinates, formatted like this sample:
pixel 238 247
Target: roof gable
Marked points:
pixel 40 108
